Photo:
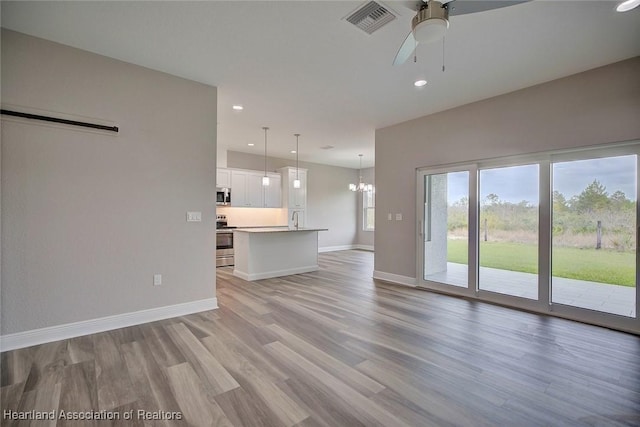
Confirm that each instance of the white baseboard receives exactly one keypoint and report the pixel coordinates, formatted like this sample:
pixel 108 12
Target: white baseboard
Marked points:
pixel 336 248
pixel 395 278
pixel 345 248
pixel 275 273
pixel 86 327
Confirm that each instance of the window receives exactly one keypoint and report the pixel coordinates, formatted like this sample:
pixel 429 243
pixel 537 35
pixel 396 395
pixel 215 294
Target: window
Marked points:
pixel 369 209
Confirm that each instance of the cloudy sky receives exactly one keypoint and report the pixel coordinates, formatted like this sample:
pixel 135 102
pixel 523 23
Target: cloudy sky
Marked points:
pixel 518 183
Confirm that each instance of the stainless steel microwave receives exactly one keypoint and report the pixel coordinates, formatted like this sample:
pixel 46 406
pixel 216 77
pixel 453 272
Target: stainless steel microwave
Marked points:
pixel 223 196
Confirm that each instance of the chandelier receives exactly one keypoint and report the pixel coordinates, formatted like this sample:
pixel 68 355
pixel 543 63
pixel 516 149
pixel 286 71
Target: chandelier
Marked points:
pixel 360 186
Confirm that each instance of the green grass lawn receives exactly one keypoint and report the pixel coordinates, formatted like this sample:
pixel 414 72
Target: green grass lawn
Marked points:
pixel 583 264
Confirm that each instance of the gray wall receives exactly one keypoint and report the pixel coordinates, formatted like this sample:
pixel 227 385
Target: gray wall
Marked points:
pixel 330 204
pixel 88 218
pixel 595 107
pixel 364 238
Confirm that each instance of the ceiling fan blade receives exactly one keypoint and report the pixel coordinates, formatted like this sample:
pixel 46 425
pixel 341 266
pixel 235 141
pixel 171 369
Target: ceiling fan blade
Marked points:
pixel 463 7
pixel 413 5
pixel 405 51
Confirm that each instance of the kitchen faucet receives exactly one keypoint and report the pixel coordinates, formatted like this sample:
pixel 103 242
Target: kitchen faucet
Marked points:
pixel 294 218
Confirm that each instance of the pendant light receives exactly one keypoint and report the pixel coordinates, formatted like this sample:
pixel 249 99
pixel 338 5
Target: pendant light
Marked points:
pixel 296 182
pixel 265 178
pixel 360 186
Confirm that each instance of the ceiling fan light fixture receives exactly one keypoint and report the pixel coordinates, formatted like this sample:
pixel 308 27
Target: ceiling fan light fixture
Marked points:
pixel 628 5
pixel 430 30
pixel 430 23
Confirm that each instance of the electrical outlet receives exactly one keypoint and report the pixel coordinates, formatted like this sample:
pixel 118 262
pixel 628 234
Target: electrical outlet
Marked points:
pixel 194 216
pixel 398 217
pixel 157 279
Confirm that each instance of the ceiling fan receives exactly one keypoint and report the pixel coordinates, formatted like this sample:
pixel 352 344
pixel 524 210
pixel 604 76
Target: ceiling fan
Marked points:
pixel 432 20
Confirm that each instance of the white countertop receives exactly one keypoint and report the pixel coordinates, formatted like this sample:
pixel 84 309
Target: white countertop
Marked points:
pixel 277 229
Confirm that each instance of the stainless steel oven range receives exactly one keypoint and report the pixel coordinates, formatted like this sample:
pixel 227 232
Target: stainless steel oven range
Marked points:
pixel 224 242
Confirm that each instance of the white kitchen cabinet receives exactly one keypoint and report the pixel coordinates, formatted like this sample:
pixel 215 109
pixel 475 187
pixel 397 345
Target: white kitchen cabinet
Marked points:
pixel 223 178
pixel 248 191
pixel 294 198
pixel 273 192
pixel 299 195
pixel 239 189
pixel 255 190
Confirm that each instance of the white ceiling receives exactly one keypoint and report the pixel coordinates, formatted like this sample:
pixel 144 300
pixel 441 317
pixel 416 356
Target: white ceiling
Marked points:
pixel 298 66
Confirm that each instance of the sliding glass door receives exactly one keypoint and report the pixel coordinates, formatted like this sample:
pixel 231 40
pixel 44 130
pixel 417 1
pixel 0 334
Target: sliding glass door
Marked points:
pixel 594 234
pixel 445 234
pixel 554 233
pixel 508 230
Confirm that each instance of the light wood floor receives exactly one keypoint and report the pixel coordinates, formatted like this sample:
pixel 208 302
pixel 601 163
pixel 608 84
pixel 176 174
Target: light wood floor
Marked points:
pixel 334 348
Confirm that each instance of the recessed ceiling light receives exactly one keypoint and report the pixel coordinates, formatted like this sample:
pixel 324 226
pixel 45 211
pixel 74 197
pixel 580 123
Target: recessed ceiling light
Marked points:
pixel 238 107
pixel 626 6
pixel 420 83
pixel 293 151
pixel 251 144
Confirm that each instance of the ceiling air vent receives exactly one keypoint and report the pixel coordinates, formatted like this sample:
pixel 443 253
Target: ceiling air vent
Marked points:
pixel 371 17
pixel 327 147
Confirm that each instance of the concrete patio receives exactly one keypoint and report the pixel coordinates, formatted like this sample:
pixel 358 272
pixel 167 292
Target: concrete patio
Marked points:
pixel 603 297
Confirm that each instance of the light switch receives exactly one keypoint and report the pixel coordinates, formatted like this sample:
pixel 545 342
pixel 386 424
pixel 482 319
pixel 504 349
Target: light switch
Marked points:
pixel 194 216
pixel 389 216
pixel 157 279
pixel 398 217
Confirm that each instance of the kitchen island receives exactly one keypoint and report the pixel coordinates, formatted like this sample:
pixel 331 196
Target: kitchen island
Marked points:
pixel 261 253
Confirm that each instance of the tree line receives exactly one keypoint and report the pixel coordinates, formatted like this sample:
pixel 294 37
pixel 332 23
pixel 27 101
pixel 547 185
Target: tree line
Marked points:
pixel 573 217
